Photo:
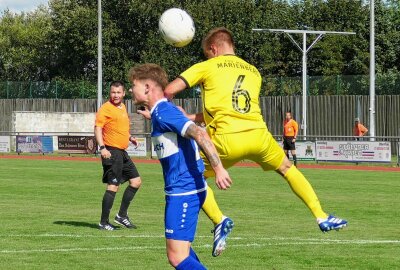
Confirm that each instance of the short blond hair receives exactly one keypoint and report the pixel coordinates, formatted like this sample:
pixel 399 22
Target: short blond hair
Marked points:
pixel 217 36
pixel 149 71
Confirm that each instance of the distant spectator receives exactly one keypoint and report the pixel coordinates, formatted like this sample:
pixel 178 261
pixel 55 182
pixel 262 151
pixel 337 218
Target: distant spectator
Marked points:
pixel 359 130
pixel 290 130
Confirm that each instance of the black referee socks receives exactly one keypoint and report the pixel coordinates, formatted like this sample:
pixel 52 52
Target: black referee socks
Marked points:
pixel 126 200
pixel 108 201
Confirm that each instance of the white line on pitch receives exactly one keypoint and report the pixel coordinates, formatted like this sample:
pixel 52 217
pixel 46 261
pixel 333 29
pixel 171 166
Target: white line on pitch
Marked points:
pixel 300 240
pixel 82 235
pixel 340 241
pixel 99 236
pixel 81 249
pixel 255 245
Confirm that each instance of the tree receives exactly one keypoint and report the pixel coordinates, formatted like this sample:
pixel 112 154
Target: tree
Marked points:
pixel 24 45
pixel 60 42
pixel 74 38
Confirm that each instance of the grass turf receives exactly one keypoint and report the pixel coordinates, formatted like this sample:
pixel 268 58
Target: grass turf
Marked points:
pixel 49 212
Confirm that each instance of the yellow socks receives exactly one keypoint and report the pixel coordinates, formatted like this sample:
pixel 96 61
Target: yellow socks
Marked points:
pixel 298 183
pixel 302 188
pixel 211 208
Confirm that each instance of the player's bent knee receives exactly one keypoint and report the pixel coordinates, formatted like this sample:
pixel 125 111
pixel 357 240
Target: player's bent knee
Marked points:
pixel 113 188
pixel 173 261
pixel 284 167
pixel 177 251
pixel 174 258
pixel 135 182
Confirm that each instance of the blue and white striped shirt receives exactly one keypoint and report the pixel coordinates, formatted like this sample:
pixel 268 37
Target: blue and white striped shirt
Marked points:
pixel 179 157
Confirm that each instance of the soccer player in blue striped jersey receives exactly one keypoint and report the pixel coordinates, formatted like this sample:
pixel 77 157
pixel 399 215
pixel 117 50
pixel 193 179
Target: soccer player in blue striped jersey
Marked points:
pixel 175 139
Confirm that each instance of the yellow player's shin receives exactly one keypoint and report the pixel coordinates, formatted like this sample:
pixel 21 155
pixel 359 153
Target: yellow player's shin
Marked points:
pixel 211 208
pixel 302 188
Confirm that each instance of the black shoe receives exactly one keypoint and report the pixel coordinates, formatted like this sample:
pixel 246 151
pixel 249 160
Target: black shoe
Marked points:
pixel 124 221
pixel 107 226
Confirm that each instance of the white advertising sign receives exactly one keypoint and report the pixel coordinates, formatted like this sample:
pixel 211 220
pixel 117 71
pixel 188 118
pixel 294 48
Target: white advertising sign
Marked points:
pixel 5 144
pixel 139 150
pixel 354 151
pixel 304 150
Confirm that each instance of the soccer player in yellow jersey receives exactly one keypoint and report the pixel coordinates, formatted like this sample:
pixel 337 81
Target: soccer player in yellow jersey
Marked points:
pixel 230 89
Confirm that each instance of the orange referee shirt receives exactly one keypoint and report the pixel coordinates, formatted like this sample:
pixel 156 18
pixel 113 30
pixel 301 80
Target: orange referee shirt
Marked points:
pixel 115 124
pixel 290 128
pixel 359 130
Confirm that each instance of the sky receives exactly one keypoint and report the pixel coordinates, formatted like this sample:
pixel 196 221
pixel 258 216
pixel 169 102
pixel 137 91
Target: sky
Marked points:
pixel 20 5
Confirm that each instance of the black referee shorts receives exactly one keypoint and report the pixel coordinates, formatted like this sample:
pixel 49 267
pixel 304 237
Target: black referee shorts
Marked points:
pixel 119 168
pixel 288 144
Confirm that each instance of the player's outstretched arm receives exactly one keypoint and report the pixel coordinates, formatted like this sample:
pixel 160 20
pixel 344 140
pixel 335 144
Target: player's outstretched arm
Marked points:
pixel 144 111
pixel 196 117
pixel 174 87
pixel 222 178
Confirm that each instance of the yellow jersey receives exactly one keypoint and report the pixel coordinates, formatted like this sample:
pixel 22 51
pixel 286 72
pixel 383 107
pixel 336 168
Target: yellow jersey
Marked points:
pixel 230 89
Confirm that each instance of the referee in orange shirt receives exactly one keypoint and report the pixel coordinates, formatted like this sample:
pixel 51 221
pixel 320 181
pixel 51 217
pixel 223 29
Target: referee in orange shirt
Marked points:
pixel 359 129
pixel 290 129
pixel 112 135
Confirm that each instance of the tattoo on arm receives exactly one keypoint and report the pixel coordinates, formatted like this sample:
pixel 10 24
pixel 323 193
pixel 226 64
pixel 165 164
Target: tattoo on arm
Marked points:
pixel 205 143
pixel 214 160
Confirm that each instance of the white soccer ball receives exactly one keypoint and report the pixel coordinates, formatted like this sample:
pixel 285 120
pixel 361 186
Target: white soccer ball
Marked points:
pixel 177 27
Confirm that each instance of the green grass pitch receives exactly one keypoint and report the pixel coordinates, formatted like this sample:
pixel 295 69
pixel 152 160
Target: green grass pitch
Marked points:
pixel 49 211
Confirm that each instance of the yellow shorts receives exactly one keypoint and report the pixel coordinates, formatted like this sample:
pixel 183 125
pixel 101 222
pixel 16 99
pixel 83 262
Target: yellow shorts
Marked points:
pixel 257 145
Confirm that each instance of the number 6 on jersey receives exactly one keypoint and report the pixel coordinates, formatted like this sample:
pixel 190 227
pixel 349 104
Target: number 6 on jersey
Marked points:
pixel 237 102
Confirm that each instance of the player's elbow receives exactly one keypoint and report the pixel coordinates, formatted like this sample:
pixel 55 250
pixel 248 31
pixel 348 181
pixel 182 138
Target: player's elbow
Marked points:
pixel 200 135
pixel 174 87
pixel 169 91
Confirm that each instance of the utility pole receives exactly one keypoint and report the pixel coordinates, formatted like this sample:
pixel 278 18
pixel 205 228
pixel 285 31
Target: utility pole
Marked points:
pixel 99 56
pixel 304 49
pixel 372 71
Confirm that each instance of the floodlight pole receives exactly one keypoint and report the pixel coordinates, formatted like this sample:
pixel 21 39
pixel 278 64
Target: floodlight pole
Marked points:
pixel 304 81
pixel 304 49
pixel 99 57
pixel 372 72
